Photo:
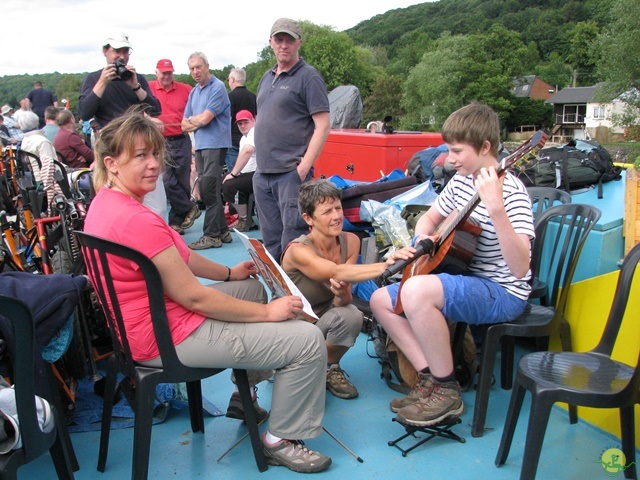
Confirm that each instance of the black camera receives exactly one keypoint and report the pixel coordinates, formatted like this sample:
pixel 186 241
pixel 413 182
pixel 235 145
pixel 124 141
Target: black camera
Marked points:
pixel 121 69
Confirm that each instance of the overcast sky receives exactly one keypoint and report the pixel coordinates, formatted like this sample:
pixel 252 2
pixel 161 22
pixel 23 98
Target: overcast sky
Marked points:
pixel 66 36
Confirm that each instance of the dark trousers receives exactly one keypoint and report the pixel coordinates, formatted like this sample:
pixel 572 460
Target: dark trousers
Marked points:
pixel 242 185
pixel 276 197
pixel 209 164
pixel 177 181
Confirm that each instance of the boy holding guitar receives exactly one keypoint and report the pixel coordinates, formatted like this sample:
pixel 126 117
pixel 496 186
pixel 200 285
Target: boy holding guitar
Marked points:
pixel 493 289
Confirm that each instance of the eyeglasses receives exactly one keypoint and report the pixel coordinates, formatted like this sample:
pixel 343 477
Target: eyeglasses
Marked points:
pixel 122 51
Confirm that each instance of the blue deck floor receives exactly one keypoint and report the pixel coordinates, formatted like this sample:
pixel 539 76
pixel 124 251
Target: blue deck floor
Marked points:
pixel 363 424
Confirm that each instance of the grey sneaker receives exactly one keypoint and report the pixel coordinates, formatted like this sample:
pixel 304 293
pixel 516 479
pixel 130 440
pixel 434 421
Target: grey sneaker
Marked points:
pixel 338 384
pixel 226 237
pixel 295 456
pixel 191 217
pixel 205 242
pixel 422 389
pixel 445 401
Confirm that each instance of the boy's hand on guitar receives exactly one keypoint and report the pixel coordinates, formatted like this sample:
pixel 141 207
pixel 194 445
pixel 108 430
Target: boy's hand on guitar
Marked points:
pixel 489 186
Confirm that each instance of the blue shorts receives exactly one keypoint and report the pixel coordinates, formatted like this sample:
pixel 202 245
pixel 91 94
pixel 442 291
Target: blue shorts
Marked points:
pixel 473 299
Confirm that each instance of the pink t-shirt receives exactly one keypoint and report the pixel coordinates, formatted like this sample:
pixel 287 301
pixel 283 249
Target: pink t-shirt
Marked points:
pixel 117 217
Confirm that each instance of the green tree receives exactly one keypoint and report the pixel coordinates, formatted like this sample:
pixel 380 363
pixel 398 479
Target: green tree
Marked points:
pixel 461 69
pixel 433 87
pixel 583 52
pixel 334 55
pixel 384 99
pixel 619 63
pixel 554 71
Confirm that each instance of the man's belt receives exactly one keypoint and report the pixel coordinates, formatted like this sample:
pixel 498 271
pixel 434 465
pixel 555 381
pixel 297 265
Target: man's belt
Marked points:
pixel 175 137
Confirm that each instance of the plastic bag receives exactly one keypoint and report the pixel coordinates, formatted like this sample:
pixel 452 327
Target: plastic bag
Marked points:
pixel 421 194
pixel 390 228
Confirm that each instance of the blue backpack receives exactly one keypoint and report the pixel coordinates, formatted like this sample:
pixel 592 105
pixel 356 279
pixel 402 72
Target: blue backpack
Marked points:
pixel 430 165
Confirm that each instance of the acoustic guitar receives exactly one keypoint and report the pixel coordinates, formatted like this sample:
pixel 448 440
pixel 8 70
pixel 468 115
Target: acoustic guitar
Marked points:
pixel 456 237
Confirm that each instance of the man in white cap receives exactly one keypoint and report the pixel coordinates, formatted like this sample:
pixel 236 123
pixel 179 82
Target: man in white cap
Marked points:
pixel 292 97
pixel 107 93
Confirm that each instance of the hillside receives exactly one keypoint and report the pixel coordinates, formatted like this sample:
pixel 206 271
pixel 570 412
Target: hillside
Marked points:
pixel 548 23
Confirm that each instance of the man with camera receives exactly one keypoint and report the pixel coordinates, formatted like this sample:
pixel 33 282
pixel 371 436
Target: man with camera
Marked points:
pixel 107 93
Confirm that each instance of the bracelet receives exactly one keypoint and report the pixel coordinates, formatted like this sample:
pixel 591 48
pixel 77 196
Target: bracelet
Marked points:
pixel 233 175
pixel 136 88
pixel 228 275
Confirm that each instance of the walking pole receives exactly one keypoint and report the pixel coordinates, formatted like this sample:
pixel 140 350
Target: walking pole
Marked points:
pixel 238 442
pixel 343 445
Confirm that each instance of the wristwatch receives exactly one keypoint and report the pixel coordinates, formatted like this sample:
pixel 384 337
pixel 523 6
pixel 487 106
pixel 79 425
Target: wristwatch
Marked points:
pixel 136 88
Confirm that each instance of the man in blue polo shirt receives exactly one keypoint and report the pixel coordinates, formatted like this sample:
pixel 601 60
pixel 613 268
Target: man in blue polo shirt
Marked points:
pixel 291 127
pixel 208 116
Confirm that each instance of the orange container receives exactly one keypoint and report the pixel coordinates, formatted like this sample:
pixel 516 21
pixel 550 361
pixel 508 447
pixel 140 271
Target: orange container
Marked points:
pixel 365 156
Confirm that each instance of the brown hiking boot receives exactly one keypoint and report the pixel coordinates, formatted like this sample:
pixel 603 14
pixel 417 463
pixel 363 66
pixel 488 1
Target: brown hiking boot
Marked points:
pixel 191 217
pixel 337 383
pixel 422 389
pixel 444 402
pixel 235 410
pixel 226 237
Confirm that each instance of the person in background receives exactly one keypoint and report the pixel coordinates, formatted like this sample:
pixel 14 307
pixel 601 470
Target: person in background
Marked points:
pixel 37 144
pixel 241 98
pixel 25 107
pixel 292 98
pixel 239 180
pixel 224 325
pixel 110 91
pixel 323 266
pixel 173 97
pixel 69 144
pixel 207 115
pixel 10 122
pixel 40 99
pixel 5 136
pixel 495 287
pixel 107 93
pixel 50 128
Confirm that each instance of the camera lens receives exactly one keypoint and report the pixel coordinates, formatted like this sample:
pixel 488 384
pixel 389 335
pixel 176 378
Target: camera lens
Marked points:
pixel 121 69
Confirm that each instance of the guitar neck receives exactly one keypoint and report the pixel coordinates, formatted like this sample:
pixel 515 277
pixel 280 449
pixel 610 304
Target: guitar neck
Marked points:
pixel 522 153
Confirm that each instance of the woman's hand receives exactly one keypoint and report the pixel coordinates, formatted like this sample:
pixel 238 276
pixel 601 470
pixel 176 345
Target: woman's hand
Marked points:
pixel 342 292
pixel 405 253
pixel 243 270
pixel 284 308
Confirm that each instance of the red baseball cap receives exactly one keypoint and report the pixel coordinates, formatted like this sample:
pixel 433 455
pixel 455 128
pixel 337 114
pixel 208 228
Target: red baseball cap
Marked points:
pixel 244 115
pixel 165 65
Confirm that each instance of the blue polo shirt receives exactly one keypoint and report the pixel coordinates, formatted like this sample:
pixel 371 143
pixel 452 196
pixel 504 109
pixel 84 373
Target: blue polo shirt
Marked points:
pixel 284 126
pixel 213 97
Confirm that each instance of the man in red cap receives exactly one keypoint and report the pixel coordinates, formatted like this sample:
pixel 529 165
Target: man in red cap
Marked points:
pixel 239 180
pixel 173 97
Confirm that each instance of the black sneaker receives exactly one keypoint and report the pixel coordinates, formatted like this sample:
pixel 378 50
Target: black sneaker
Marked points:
pixel 235 410
pixel 295 456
